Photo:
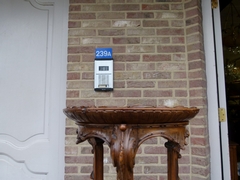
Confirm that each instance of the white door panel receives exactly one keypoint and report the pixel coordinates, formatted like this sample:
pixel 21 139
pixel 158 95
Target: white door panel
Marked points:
pixel 33 44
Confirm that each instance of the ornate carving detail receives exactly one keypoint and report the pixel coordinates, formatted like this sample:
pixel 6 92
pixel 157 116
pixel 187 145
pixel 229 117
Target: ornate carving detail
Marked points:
pixel 173 147
pixel 125 129
pixel 124 140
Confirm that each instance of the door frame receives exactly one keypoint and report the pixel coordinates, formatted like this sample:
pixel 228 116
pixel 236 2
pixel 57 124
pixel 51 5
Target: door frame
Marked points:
pixel 218 132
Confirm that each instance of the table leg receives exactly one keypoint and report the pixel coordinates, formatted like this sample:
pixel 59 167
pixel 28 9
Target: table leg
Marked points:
pixel 173 154
pixel 97 145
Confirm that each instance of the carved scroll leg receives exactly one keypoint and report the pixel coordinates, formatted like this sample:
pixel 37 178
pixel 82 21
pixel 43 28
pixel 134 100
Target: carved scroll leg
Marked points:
pixel 173 154
pixel 97 145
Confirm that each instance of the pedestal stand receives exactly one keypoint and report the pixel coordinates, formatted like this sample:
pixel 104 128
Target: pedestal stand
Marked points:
pixel 124 139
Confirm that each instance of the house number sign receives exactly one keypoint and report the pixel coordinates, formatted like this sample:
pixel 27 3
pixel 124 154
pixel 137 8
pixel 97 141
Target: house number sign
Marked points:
pixel 103 53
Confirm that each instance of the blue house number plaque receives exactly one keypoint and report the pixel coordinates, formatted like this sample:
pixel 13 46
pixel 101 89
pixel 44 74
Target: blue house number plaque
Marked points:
pixel 103 53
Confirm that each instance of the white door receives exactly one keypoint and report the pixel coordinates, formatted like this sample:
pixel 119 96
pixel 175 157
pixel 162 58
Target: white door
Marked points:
pixel 33 45
pixel 218 133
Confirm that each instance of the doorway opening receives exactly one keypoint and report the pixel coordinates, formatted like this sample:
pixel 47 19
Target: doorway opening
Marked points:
pixel 230 26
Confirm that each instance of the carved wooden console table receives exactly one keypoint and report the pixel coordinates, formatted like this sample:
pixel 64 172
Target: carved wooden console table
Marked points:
pixel 125 129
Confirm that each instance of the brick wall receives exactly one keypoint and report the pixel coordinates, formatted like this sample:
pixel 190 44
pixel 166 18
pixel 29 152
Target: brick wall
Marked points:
pixel 158 54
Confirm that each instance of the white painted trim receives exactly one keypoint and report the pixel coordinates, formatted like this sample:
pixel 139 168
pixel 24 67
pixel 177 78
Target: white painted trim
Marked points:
pixel 221 92
pixel 60 46
pixel 212 94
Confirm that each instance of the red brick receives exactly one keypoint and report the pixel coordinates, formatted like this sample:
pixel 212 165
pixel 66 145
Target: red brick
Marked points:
pixel 181 93
pixel 126 58
pixel 194 29
pixel 77 16
pixel 170 31
pixel 178 40
pixel 111 32
pixel 201 161
pixel 139 32
pixel 156 75
pixel 157 93
pixel 95 40
pixel 74 24
pixel 93 94
pixel 140 15
pixel 198 131
pixel 71 169
pixel 80 67
pixel 157 57
pixel 169 15
pixel 140 66
pixel 179 57
pixel 96 8
pixel 155 23
pixel 112 1
pixel 88 57
pixel 119 66
pixel 199 64
pixel 140 84
pixel 197 83
pixel 126 40
pixel 73 58
pixel 193 12
pixel 140 49
pixel 172 84
pixel 155 40
pixel 184 169
pixel 171 66
pixel 72 93
pixel 155 169
pixel 155 150
pixel 127 93
pixel 142 102
pixel 198 102
pixel 177 6
pixel 70 131
pixel 198 141
pixel 86 169
pixel 74 8
pixel 119 49
pixel 79 159
pixel 146 160
pixel 110 102
pixel 87 75
pixel 197 92
pixel 127 75
pixel 80 102
pixel 71 150
pixel 192 3
pixel 110 15
pixel 148 177
pixel 125 7
pixel 80 49
pixel 185 159
pixel 96 24
pixel 195 56
pixel 170 49
pixel 76 177
pixel 126 23
pixel 200 171
pixel 73 41
pixel 155 7
pixel 73 76
pixel 179 75
pixel 82 32
pixel 192 21
pixel 177 23
pixel 81 1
